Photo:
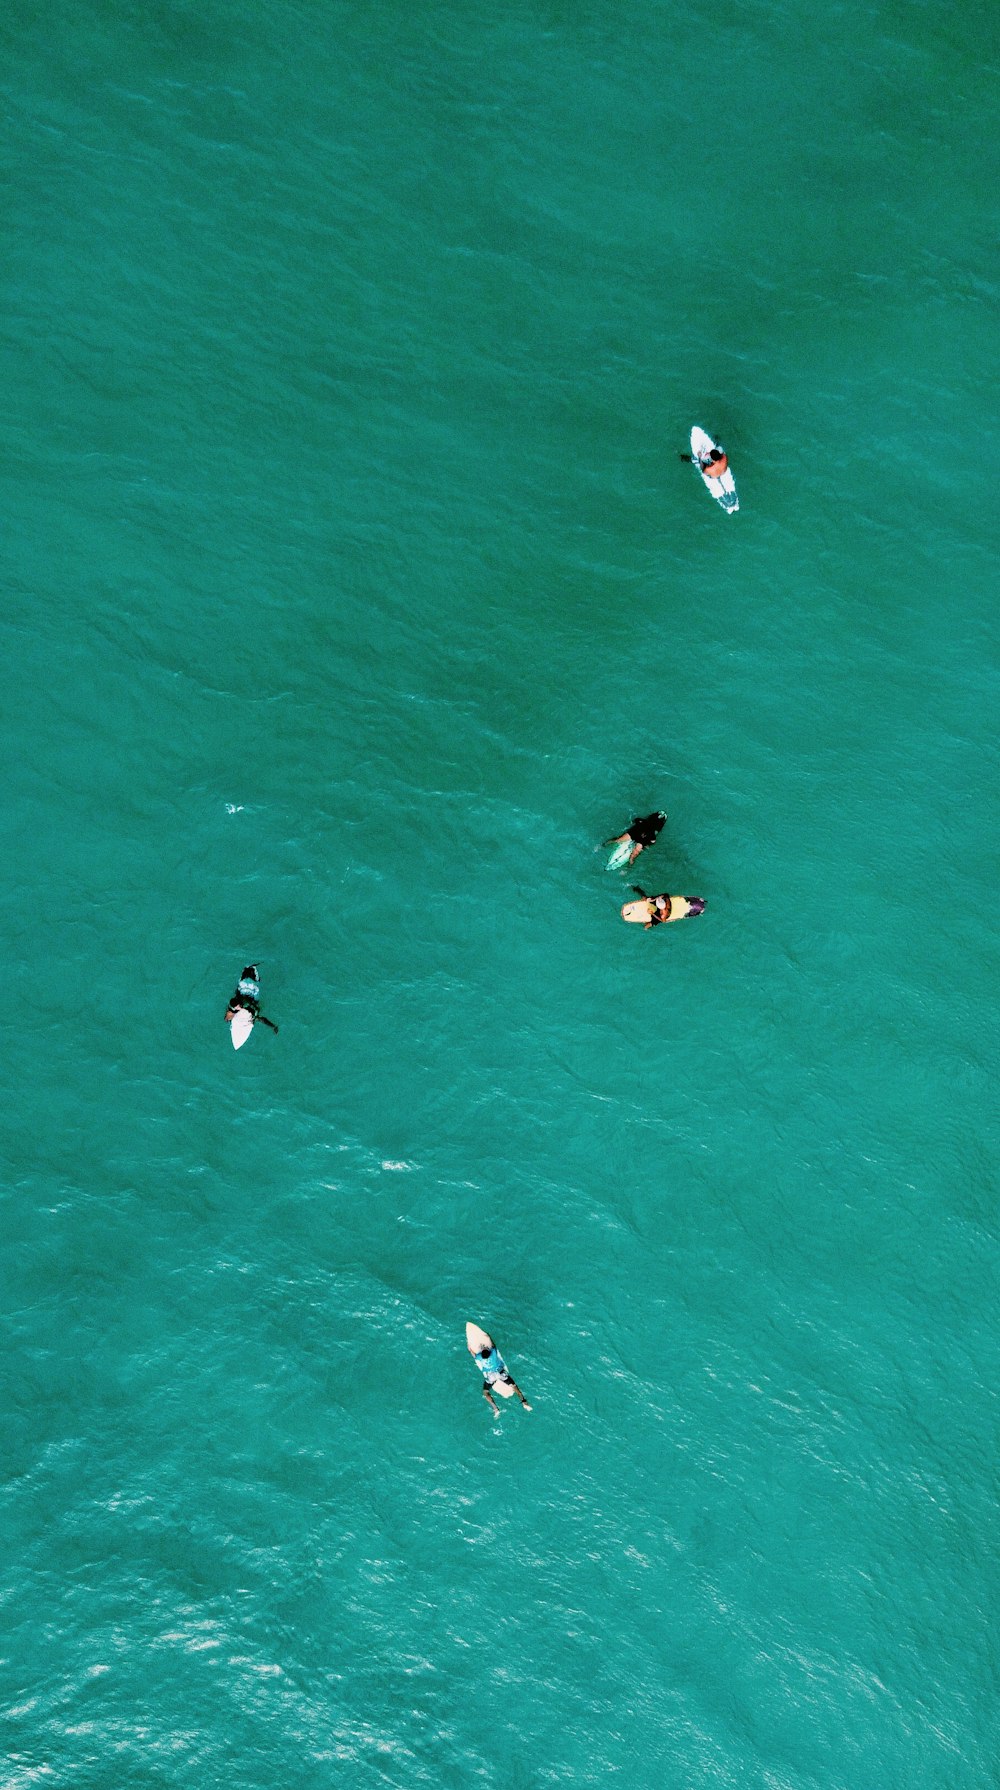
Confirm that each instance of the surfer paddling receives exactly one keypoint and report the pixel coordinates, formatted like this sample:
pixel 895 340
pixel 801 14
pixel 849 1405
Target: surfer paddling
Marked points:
pixel 713 464
pixel 661 908
pixel 244 999
pixel 639 833
pixel 497 1376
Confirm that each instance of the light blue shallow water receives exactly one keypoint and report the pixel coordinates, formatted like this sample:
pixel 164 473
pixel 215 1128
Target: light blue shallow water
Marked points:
pixel 353 592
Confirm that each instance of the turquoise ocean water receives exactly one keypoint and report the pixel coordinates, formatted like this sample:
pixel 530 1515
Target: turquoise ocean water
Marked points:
pixel 352 592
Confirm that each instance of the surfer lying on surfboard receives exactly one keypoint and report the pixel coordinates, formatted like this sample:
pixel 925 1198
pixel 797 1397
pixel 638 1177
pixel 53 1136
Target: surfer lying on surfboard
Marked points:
pixel 656 910
pixel 638 835
pixel 244 999
pixel 493 1368
pixel 714 464
pixel 711 461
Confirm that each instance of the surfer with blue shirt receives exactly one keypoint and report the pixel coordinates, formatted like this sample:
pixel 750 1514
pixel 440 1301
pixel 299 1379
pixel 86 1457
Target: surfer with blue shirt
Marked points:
pixel 245 997
pixel 495 1372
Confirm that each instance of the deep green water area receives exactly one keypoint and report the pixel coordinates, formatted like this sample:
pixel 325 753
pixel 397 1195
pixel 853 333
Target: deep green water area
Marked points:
pixel 353 591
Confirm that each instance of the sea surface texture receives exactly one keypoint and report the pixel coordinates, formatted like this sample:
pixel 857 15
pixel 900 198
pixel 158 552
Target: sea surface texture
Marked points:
pixel 353 592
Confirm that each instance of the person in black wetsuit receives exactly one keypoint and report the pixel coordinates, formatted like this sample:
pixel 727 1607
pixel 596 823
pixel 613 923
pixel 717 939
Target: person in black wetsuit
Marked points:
pixel 245 995
pixel 639 833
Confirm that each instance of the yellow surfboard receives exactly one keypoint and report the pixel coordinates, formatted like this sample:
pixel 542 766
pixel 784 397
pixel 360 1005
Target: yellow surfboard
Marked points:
pixel 638 913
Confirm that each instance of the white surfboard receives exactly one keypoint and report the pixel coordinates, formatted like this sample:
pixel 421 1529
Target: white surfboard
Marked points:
pixel 724 489
pixel 477 1339
pixel 240 1026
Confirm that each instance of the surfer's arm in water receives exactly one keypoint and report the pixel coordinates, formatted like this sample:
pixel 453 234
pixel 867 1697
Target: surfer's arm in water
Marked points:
pixel 266 1022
